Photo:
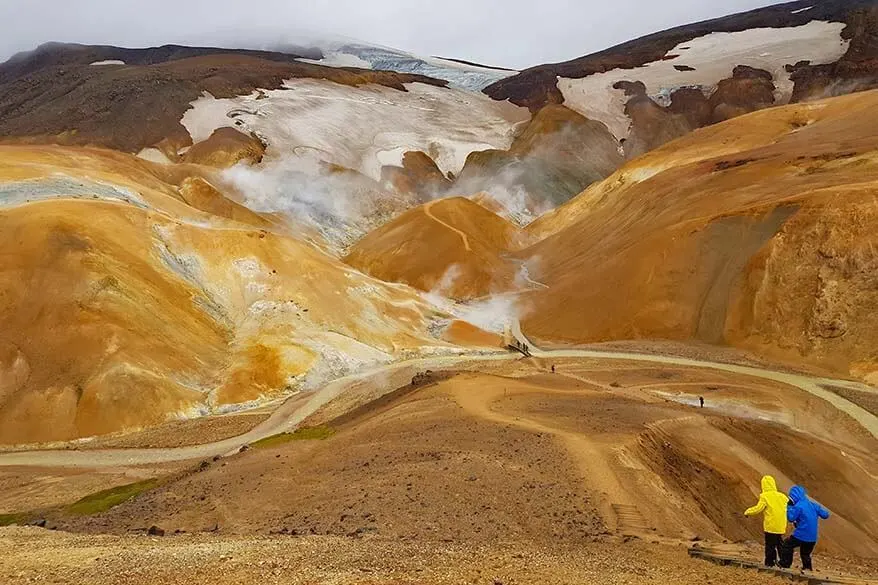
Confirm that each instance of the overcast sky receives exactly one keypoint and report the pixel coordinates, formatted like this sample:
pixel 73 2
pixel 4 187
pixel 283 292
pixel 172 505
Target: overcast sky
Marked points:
pixel 510 33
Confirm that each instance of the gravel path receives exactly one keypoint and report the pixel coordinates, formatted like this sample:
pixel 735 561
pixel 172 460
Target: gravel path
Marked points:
pixel 292 413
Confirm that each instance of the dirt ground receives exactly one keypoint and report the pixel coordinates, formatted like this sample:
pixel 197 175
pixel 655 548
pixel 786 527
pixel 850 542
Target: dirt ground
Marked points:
pixel 225 560
pixel 182 433
pixel 598 470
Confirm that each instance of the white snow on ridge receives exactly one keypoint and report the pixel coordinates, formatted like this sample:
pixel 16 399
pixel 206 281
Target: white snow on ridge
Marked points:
pixel 801 10
pixel 108 62
pixel 713 57
pixel 363 128
pixel 339 59
pixel 458 75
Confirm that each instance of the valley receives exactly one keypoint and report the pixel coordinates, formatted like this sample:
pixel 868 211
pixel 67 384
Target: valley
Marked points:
pixel 333 312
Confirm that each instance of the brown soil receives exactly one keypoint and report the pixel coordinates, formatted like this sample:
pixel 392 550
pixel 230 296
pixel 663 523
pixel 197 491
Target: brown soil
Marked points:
pixel 417 471
pixel 226 147
pixel 35 488
pixel 652 125
pixel 698 242
pixel 539 457
pixel 182 433
pixel 536 87
pixel 120 316
pixel 228 560
pixel 467 335
pixel 451 245
pixel 820 467
pixel 56 96
pixel 497 466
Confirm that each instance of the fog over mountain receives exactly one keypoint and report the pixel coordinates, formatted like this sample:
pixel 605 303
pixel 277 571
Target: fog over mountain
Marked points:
pixel 553 30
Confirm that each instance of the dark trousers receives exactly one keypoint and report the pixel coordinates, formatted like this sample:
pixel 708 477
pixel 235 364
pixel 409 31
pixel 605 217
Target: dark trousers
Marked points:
pixel 806 548
pixel 773 548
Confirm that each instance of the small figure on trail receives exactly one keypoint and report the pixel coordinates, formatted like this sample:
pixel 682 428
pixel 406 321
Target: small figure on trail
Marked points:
pixel 553 368
pixel 773 505
pixel 701 400
pixel 805 514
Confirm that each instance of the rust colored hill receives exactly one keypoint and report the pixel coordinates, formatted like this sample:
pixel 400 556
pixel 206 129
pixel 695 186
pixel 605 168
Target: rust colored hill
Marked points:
pixel 537 87
pixel 418 176
pixel 453 246
pixel 130 299
pixel 557 155
pixel 758 232
pixel 226 147
pixel 56 95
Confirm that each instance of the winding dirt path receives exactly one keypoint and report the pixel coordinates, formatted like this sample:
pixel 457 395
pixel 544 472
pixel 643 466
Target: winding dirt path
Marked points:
pixel 389 377
pixel 812 385
pixel 428 209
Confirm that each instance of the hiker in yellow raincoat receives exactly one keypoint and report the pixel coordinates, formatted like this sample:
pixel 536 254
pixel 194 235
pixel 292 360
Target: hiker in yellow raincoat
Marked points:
pixel 773 505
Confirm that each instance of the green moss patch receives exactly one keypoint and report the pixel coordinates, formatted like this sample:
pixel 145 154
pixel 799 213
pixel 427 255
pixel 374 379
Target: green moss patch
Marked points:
pixel 13 519
pixel 103 501
pixel 305 434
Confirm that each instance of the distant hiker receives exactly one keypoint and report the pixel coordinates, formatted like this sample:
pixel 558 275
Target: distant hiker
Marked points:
pixel 773 505
pixel 553 368
pixel 701 400
pixel 804 513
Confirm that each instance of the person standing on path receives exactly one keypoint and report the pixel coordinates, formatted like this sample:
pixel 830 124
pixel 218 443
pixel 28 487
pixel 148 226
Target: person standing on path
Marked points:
pixel 701 400
pixel 773 506
pixel 805 514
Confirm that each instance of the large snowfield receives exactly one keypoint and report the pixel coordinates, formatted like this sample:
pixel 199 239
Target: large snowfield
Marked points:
pixel 363 128
pixel 713 58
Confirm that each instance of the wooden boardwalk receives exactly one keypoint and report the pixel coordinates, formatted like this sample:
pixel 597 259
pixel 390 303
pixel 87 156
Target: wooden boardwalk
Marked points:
pixel 791 574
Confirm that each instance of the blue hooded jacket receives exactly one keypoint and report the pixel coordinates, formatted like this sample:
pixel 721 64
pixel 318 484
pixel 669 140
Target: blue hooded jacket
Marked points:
pixel 804 512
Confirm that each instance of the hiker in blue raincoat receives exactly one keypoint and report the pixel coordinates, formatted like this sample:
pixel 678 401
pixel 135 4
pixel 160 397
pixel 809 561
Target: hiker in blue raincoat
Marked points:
pixel 805 514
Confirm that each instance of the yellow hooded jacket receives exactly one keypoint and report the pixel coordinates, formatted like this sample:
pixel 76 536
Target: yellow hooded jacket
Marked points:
pixel 774 504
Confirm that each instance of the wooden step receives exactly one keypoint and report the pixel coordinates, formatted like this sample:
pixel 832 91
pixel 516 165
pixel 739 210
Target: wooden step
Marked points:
pixel 793 575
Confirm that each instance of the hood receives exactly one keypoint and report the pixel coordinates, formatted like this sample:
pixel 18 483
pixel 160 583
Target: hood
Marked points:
pixel 797 494
pixel 768 484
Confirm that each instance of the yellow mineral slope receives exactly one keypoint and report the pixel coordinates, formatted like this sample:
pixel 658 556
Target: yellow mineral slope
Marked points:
pixel 123 304
pixel 453 246
pixel 759 232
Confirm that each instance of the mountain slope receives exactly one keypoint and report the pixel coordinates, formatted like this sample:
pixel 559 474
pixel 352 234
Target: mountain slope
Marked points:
pixel 664 85
pixel 123 305
pixel 556 156
pixel 131 99
pixel 458 74
pixel 757 232
pixel 452 246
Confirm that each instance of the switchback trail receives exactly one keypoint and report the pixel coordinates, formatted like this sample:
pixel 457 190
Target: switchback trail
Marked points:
pixel 428 209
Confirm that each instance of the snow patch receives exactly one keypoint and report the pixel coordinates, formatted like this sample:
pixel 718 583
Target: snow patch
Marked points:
pixel 154 155
pixel 339 59
pixel 363 128
pixel 801 10
pixel 108 62
pixel 458 75
pixel 713 57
